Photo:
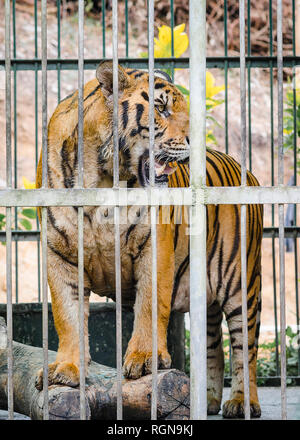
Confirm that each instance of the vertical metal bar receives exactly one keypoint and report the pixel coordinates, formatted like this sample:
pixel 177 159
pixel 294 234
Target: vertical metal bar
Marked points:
pixel 58 49
pixel 15 149
pixel 249 83
pixel 153 210
pixel 117 211
pixel 243 210
pixel 172 35
pixel 103 30
pixel 272 183
pixel 198 305
pixel 82 372
pixel 295 178
pixel 10 402
pixel 226 73
pixel 36 138
pixel 44 210
pixel 126 28
pixel 281 212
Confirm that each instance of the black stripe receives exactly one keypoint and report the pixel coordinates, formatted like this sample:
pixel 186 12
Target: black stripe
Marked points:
pixel 210 182
pixel 159 85
pixel 235 169
pixel 67 97
pixel 227 171
pixel 125 114
pixel 139 112
pixel 214 166
pixel 139 74
pixel 141 246
pixel 227 289
pixel 176 236
pixel 75 292
pixel 92 93
pixel 130 72
pixel 145 96
pixel 63 257
pixel 180 272
pixel 238 310
pixel 53 223
pixel 67 170
pixel 236 241
pixel 215 344
pixel 220 268
pixel 129 230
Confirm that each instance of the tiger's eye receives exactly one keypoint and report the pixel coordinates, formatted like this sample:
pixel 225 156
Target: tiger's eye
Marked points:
pixel 161 108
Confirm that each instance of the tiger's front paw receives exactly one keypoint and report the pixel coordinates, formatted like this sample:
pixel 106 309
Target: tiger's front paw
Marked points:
pixel 59 373
pixel 234 409
pixel 139 363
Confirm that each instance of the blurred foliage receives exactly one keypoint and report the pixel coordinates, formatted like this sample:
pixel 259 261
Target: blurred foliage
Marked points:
pixel 24 215
pixel 291 121
pixel 266 362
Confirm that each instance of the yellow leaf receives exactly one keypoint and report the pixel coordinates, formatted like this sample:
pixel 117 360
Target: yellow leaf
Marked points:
pixel 27 184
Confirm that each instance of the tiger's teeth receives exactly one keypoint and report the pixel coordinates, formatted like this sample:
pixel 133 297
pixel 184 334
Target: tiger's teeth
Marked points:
pixel 159 169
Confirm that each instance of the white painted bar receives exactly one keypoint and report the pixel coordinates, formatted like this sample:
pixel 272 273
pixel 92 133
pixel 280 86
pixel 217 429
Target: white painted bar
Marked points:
pixel 243 229
pixel 198 341
pixel 44 209
pixel 146 197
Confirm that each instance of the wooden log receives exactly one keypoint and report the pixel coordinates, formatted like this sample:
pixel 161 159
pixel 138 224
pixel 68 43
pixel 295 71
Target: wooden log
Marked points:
pixel 101 390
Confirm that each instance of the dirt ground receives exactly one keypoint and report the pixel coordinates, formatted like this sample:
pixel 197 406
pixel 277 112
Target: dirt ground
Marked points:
pixel 25 140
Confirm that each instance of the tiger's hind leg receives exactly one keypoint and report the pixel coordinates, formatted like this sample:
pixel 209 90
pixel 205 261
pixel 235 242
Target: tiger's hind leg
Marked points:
pixel 234 407
pixel 215 359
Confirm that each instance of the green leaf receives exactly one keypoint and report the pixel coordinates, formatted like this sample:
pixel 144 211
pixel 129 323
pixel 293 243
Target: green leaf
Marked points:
pixel 29 212
pixel 289 332
pixel 183 90
pixel 26 224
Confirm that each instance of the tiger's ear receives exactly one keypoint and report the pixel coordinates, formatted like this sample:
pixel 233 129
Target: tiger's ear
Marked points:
pixel 104 75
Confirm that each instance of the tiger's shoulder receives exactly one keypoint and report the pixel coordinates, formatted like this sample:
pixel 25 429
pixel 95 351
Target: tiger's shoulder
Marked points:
pixel 221 170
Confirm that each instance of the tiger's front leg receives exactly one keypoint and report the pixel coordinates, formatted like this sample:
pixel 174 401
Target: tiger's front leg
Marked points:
pixel 138 357
pixel 63 283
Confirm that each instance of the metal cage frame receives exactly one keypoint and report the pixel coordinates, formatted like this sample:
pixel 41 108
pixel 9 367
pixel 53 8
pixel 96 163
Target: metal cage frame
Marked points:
pixel 196 197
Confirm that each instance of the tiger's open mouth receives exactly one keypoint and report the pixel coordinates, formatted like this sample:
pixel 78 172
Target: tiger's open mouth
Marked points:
pixel 162 170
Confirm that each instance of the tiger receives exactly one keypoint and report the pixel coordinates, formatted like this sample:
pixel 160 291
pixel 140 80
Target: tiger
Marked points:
pixel 171 152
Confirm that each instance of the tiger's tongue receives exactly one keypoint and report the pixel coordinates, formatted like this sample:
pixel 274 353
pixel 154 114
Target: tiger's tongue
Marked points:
pixel 161 169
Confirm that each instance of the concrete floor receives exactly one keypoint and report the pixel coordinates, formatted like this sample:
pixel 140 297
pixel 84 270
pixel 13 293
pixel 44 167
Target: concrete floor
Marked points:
pixel 269 400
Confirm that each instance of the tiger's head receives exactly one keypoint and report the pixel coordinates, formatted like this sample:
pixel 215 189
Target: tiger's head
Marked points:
pixel 171 121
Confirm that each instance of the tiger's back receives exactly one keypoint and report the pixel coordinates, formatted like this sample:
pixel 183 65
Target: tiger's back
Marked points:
pixel 224 278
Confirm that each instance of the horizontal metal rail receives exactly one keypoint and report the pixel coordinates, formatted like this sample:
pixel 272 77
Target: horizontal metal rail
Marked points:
pixel 142 63
pixel 269 232
pixel 146 197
